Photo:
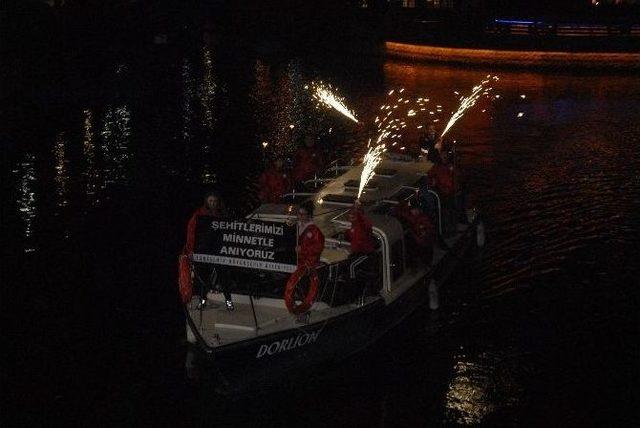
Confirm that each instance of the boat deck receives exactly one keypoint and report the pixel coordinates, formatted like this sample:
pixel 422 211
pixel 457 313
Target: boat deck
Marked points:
pixel 218 326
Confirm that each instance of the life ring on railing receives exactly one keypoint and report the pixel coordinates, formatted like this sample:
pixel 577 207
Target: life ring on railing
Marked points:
pixel 292 283
pixel 185 282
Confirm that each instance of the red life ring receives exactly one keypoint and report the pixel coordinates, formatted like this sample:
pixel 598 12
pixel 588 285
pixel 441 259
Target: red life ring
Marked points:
pixel 292 283
pixel 185 283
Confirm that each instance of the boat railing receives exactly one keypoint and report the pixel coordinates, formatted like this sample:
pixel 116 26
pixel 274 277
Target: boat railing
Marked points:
pixel 355 264
pixel 336 243
pixel 435 195
pixel 329 174
pixel 336 168
pixel 317 180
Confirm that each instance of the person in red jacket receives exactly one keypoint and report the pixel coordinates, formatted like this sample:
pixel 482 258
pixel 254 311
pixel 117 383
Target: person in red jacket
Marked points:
pixel 274 182
pixel 453 194
pixel 212 207
pixel 422 234
pixel 440 175
pixel 362 261
pixel 307 160
pixel 310 237
pixel 359 234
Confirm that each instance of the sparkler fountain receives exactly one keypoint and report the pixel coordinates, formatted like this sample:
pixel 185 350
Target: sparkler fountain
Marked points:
pixel 389 127
pixel 469 101
pixel 326 97
pixel 371 160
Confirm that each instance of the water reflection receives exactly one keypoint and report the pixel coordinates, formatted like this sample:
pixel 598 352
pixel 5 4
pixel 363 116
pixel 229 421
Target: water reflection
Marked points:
pixel 62 169
pixel 468 396
pixel 481 385
pixel 282 107
pixel 26 203
pixel 300 114
pixel 187 100
pixel 260 95
pixel 281 126
pixel 116 134
pixel 208 98
pixel 91 175
pixel 188 95
pixel 208 90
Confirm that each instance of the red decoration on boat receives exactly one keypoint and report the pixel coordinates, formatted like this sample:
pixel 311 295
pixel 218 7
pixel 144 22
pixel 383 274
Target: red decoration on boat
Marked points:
pixel 293 282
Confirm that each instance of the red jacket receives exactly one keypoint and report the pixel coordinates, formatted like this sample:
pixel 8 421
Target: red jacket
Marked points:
pixel 360 235
pixel 441 177
pixel 273 184
pixel 191 227
pixel 421 229
pixel 311 243
pixel 308 161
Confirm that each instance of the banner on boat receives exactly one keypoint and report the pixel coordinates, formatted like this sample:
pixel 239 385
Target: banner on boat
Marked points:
pixel 249 244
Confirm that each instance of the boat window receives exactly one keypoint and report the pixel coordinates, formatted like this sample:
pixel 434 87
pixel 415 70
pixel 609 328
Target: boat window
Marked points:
pixel 385 172
pixel 383 208
pixel 312 185
pixel 339 199
pixel 295 198
pixel 405 193
pixel 355 185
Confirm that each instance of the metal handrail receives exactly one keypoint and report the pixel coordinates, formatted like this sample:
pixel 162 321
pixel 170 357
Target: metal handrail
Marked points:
pixel 439 210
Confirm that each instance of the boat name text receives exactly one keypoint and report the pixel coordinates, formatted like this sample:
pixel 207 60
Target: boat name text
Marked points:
pixel 288 344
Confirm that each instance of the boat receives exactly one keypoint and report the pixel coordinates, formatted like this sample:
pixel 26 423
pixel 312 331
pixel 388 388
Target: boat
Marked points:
pixel 262 342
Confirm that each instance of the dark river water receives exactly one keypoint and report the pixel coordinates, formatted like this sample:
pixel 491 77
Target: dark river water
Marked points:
pixel 102 170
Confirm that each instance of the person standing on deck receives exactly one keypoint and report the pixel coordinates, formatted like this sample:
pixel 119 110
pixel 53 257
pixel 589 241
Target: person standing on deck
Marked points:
pixel 361 259
pixel 359 234
pixel 274 182
pixel 442 176
pixel 212 207
pixel 310 237
pixel 421 232
pixel 307 161
pixel 428 139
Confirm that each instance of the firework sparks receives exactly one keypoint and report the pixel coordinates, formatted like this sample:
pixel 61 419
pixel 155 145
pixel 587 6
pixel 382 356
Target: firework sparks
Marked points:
pixel 371 161
pixel 468 102
pixel 325 96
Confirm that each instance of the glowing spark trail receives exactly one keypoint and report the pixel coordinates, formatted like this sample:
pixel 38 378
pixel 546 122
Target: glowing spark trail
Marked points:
pixel 371 161
pixel 468 102
pixel 325 96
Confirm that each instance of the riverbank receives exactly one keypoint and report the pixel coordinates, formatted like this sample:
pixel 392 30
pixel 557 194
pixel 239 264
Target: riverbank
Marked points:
pixel 514 58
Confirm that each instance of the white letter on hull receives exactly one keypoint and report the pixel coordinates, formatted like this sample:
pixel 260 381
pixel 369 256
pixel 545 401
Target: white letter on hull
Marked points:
pixel 262 351
pixel 273 349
